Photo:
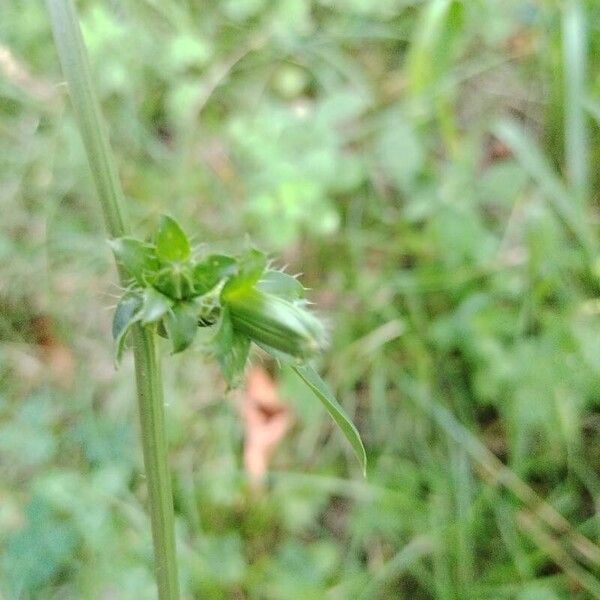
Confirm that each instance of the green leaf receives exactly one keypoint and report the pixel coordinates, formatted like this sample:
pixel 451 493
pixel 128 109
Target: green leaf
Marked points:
pixel 251 267
pixel 281 284
pixel 181 324
pixel 155 306
pixel 318 386
pixel 224 336
pixel 175 281
pixel 137 257
pixel 231 349
pixel 171 242
pixel 211 270
pixel 126 314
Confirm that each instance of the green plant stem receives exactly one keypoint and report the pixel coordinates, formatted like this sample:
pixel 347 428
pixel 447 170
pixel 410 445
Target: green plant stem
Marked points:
pixel 74 61
pixel 150 401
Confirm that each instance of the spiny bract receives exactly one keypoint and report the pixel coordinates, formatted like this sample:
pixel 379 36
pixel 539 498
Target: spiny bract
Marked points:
pixel 176 287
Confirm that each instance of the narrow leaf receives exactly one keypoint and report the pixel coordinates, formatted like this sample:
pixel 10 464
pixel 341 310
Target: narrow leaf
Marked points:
pixel 424 59
pixel 318 386
pixel 126 314
pixel 171 242
pixel 281 357
pixel 574 47
pixel 537 165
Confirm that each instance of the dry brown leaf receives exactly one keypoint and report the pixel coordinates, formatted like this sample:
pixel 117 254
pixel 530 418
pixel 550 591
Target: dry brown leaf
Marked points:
pixel 266 421
pixel 55 355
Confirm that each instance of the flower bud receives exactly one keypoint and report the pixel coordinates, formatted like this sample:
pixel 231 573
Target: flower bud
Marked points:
pixel 175 281
pixel 274 322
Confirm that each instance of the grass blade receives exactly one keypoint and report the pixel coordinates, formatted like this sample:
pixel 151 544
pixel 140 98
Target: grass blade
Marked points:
pixel 556 552
pixel 540 170
pixel 585 549
pixel 574 48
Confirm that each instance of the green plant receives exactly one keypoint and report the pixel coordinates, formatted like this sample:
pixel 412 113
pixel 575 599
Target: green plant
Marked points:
pixel 172 289
pixel 179 288
pixel 452 255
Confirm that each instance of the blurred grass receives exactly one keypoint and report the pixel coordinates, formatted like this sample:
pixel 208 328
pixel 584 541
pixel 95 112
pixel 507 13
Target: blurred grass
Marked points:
pixel 430 168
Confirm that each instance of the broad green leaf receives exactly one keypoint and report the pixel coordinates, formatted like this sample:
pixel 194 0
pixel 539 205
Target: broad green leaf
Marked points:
pixel 211 270
pixel 281 284
pixel 171 242
pixel 318 386
pixel 137 257
pixel 181 324
pixel 126 314
pixel 155 306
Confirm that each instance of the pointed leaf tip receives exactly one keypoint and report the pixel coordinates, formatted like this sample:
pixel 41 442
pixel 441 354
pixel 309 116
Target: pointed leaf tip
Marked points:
pixel 312 379
pixel 137 257
pixel 281 284
pixel 172 243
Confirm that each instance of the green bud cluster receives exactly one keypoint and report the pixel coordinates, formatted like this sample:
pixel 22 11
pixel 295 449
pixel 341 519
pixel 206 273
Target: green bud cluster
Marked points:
pixel 179 289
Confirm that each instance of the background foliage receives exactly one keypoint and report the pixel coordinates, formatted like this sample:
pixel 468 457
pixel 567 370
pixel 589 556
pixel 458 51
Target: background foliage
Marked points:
pixel 430 168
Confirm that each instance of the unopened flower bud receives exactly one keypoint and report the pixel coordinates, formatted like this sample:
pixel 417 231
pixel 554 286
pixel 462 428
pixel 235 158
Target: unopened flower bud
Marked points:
pixel 275 322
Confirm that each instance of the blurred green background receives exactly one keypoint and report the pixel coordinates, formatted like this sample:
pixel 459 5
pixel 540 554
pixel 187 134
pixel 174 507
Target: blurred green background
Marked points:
pixel 431 169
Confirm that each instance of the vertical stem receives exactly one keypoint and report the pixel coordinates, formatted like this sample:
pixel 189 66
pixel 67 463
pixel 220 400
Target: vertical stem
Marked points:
pixel 74 61
pixel 150 401
pixel 76 69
